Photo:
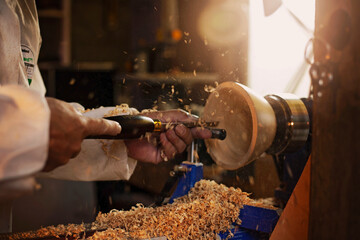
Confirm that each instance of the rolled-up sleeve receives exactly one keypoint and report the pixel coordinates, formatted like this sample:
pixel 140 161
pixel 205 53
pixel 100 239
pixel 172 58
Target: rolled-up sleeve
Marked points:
pixel 24 131
pixel 99 160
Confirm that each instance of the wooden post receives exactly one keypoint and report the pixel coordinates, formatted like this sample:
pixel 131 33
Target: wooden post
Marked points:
pixel 335 169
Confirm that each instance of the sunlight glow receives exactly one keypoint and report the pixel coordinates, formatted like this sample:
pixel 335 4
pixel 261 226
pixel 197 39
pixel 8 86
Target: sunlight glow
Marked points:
pixel 276 48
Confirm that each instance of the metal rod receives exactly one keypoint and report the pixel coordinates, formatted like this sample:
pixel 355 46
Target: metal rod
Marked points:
pixel 191 152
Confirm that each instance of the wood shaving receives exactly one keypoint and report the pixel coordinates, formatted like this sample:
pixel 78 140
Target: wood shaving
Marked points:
pixel 163 156
pixel 118 110
pixel 148 110
pixel 106 147
pixel 209 88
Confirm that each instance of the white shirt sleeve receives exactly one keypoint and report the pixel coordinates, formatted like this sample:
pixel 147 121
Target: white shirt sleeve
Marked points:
pixel 98 160
pixel 24 131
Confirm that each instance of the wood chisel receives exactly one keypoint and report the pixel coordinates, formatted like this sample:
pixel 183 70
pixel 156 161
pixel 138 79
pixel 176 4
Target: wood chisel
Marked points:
pixel 136 126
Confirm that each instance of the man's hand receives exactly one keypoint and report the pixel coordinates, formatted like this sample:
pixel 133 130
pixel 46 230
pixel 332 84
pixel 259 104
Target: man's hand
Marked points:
pixel 68 128
pixel 172 142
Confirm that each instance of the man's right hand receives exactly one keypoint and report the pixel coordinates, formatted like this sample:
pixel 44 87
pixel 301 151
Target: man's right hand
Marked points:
pixel 68 128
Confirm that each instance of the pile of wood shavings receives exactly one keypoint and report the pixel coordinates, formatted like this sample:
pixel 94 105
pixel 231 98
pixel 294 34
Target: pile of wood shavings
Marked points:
pixel 118 110
pixel 71 230
pixel 208 209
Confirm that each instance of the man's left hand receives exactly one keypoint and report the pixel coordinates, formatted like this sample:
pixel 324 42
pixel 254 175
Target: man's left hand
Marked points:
pixel 172 142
